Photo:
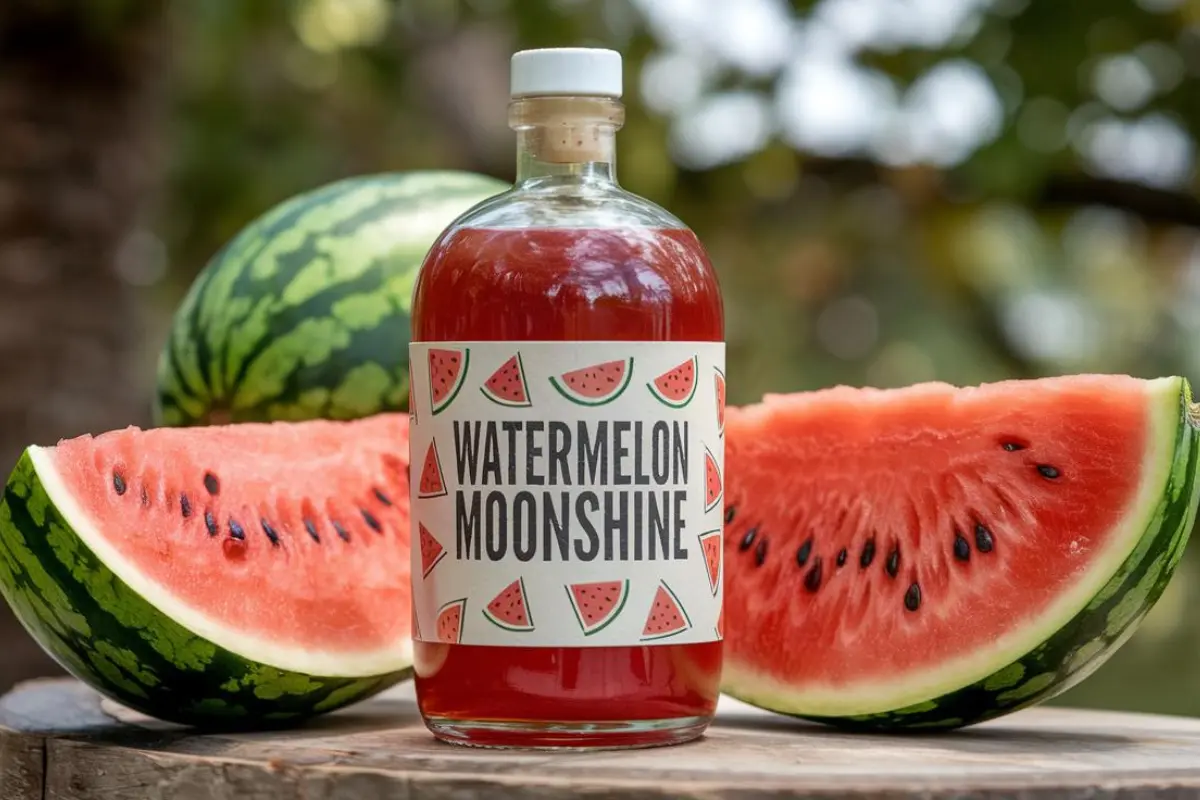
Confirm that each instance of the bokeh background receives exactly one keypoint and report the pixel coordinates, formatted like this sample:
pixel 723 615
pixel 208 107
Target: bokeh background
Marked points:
pixel 892 190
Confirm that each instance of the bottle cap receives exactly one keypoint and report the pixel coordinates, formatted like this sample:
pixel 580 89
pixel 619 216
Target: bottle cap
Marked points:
pixel 566 71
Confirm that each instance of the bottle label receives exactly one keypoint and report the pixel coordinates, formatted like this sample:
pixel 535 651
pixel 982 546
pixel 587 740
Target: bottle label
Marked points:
pixel 567 494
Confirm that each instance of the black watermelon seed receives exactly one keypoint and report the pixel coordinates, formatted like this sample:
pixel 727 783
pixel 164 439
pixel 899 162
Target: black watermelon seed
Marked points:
pixel 912 598
pixel 1012 446
pixel 383 498
pixel 983 538
pixel 868 554
pixel 235 530
pixel 760 552
pixel 210 522
pixel 812 579
pixel 748 539
pixel 270 532
pixel 311 527
pixel 1047 471
pixel 119 483
pixel 893 562
pixel 841 559
pixel 804 552
pixel 962 548
pixel 342 532
pixel 729 515
pixel 185 506
pixel 211 483
pixel 371 521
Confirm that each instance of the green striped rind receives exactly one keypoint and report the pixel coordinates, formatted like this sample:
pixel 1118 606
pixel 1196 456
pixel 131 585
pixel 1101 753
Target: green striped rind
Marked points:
pixel 305 313
pixel 1085 642
pixel 112 639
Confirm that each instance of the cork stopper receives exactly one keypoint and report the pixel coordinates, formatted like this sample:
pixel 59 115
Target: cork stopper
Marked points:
pixel 568 130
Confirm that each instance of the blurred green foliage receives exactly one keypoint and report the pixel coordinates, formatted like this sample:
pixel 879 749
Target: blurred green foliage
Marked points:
pixel 1051 228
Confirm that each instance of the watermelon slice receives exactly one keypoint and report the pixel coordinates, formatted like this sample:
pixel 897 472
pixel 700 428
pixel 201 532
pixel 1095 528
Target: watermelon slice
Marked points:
pixel 596 605
pixel 677 386
pixel 447 371
pixel 432 551
pixel 710 546
pixel 720 629
pixel 713 485
pixel 510 608
pixel 595 385
pixel 432 484
pixel 719 386
pixel 507 385
pixel 226 575
pixel 948 555
pixel 667 616
pixel 449 621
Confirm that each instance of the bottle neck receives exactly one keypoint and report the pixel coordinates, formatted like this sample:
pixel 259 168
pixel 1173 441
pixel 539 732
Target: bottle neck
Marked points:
pixel 566 138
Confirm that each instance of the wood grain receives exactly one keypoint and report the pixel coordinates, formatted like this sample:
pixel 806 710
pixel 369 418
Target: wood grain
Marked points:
pixel 60 740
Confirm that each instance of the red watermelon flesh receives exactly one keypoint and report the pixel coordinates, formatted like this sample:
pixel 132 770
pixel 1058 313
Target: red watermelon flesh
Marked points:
pixel 596 384
pixel 719 388
pixel 877 538
pixel 431 484
pixel 291 537
pixel 447 369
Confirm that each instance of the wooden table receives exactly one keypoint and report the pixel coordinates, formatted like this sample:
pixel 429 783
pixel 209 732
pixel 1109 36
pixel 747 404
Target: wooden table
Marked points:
pixel 59 740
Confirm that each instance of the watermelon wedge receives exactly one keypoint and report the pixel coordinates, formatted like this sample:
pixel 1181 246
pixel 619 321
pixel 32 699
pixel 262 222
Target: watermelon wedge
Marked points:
pixel 677 386
pixel 432 551
pixel 449 621
pixel 432 484
pixel 596 605
pixel 510 608
pixel 217 575
pixel 719 388
pixel 447 372
pixel 714 487
pixel 667 616
pixel 507 385
pixel 710 546
pixel 595 385
pixel 948 555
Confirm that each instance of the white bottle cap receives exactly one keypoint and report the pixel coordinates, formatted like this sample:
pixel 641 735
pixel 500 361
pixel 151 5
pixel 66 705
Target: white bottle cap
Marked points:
pixel 566 71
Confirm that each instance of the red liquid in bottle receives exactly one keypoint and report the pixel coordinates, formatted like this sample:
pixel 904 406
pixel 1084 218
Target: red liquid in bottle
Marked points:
pixel 563 284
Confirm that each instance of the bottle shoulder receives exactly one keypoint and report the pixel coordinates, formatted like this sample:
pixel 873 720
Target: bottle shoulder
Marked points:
pixel 551 203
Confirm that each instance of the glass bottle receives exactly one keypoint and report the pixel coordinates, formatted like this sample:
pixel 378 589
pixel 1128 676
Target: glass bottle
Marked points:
pixel 567 445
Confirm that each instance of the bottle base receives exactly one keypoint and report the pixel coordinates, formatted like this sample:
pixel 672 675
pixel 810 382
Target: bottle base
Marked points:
pixel 527 735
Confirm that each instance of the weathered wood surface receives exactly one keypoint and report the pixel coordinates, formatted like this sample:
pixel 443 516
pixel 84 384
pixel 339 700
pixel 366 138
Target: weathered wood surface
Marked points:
pixel 59 740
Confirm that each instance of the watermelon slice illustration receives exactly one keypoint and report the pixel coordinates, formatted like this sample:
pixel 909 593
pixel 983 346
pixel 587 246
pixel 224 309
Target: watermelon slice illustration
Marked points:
pixel 596 605
pixel 719 384
pixel 510 609
pixel 432 551
pixel 432 484
pixel 507 385
pixel 677 386
pixel 449 621
pixel 713 486
pixel 720 629
pixel 447 371
pixel 595 385
pixel 667 617
pixel 710 545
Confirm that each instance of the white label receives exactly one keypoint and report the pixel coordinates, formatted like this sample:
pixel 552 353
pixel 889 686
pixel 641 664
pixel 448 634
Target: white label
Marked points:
pixel 567 494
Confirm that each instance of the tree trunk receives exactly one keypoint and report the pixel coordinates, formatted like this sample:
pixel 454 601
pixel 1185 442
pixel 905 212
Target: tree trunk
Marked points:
pixel 79 105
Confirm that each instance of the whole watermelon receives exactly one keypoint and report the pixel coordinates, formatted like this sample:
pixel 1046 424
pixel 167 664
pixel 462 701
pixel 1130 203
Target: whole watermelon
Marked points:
pixel 305 313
